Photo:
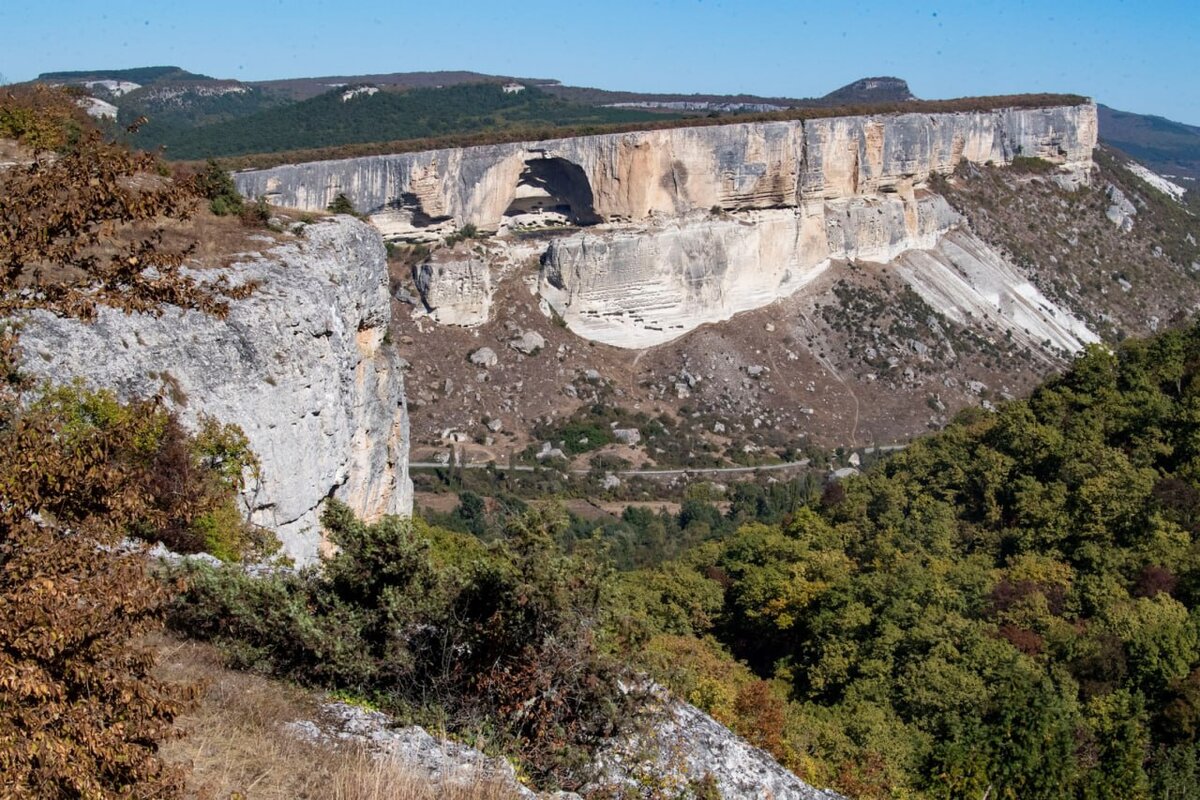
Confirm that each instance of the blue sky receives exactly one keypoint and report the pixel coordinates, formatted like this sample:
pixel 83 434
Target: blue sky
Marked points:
pixel 1137 56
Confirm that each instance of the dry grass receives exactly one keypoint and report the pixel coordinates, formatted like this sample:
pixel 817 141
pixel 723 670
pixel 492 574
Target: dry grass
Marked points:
pixel 218 240
pixel 235 747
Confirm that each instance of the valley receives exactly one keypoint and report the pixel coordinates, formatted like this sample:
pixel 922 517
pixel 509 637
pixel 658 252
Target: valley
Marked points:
pixel 477 435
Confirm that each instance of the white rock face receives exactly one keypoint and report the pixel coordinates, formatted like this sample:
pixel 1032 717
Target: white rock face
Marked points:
pixel 964 279
pixel 644 285
pixel 685 226
pixel 1169 188
pixel 686 745
pixel 633 176
pixel 95 107
pixel 456 288
pixel 299 365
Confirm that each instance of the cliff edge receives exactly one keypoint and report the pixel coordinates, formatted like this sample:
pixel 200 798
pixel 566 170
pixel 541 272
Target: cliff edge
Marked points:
pixel 299 365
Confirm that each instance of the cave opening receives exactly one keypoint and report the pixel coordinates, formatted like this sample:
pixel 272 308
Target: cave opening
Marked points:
pixel 552 191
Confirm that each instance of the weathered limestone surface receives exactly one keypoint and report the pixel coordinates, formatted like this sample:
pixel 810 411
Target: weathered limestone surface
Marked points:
pixel 685 226
pixel 964 279
pixel 299 365
pixel 631 176
pixel 637 286
pixel 686 746
pixel 456 288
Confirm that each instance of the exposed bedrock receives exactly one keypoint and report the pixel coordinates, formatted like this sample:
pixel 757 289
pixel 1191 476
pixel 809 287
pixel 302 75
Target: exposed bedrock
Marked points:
pixel 685 226
pixel 300 365
pixel 456 288
pixel 631 176
pixel 637 286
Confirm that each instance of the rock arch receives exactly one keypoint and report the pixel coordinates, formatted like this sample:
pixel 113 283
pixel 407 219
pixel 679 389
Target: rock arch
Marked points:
pixel 552 189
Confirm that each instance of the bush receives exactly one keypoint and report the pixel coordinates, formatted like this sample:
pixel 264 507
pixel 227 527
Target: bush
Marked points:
pixel 342 205
pixel 79 709
pixel 216 184
pixel 502 638
pixel 465 233
pixel 257 214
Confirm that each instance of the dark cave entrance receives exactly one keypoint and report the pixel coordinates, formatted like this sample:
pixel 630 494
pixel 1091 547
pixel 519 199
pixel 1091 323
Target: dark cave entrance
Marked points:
pixel 553 191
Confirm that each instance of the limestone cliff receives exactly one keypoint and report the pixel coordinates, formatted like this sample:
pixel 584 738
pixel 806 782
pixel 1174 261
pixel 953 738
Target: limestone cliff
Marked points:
pixel 685 226
pixel 632 176
pixel 300 365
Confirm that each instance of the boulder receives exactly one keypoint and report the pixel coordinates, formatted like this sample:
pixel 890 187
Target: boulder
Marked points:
pixel 484 357
pixel 528 343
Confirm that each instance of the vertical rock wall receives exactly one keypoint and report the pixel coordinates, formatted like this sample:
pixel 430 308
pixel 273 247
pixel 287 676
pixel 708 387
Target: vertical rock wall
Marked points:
pixel 683 226
pixel 300 365
pixel 637 175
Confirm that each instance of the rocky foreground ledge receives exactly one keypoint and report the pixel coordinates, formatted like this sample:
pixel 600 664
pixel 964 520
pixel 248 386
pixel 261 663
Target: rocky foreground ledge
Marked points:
pixel 684 747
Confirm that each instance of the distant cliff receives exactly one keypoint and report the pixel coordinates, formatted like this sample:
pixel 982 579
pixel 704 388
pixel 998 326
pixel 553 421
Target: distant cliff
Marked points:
pixel 299 365
pixel 682 226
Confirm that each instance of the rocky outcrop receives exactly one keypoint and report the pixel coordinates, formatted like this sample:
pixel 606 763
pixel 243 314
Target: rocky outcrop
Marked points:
pixel 300 365
pixel 441 763
pixel 684 226
pixel 686 748
pixel 633 176
pixel 965 280
pixel 638 286
pixel 680 749
pixel 455 287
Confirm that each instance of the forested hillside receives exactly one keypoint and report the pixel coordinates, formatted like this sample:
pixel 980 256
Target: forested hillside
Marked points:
pixel 1005 609
pixel 329 120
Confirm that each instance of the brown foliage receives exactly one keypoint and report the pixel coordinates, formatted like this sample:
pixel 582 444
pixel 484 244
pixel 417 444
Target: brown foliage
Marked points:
pixel 1155 579
pixel 79 712
pixel 67 235
pixel 761 714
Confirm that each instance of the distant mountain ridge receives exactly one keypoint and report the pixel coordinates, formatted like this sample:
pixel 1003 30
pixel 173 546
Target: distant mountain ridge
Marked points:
pixel 199 116
pixel 1167 147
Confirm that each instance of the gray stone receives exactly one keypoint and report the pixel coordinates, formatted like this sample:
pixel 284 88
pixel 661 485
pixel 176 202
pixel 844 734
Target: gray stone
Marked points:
pixel 627 436
pixel 528 343
pixel 484 357
pixel 442 763
pixel 1120 211
pixel 683 744
pixel 456 288
pixel 549 451
pixel 300 365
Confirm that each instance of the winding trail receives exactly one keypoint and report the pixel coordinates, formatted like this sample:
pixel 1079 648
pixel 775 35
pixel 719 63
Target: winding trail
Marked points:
pixel 629 472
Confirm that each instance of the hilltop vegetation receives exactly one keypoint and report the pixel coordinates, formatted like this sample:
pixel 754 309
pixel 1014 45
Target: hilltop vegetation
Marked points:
pixel 329 120
pixel 1007 608
pixel 1167 147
